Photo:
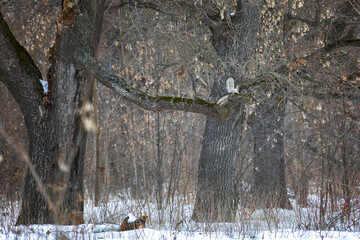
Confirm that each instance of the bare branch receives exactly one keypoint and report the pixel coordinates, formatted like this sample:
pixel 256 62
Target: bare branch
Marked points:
pixel 152 103
pixel 152 6
pixel 289 17
pixel 140 4
pixel 340 43
pixel 354 5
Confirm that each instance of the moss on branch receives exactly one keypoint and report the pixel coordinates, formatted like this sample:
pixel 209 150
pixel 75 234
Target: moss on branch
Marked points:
pixel 184 100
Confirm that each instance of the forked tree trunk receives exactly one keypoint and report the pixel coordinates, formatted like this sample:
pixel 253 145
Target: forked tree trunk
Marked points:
pixel 215 199
pixel 53 191
pixel 58 152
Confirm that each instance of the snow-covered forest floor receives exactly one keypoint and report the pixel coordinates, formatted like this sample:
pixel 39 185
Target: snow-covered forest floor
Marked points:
pixel 174 222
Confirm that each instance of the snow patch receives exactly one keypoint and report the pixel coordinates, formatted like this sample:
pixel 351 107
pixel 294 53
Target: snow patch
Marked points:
pixel 132 218
pixel 45 85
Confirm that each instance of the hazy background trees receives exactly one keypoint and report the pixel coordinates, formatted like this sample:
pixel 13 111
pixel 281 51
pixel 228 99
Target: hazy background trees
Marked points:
pixel 300 131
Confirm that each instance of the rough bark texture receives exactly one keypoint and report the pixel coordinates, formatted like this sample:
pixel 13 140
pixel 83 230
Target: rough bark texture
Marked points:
pixel 72 91
pixel 21 76
pixel 269 189
pixel 53 191
pixel 215 195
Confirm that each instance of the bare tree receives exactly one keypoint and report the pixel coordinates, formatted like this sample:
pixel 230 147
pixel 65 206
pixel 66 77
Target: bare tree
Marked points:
pixel 54 125
pixel 57 125
pixel 234 39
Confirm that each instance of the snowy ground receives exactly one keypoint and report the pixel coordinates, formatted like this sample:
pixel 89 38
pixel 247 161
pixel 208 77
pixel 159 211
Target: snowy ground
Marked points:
pixel 108 231
pixel 103 223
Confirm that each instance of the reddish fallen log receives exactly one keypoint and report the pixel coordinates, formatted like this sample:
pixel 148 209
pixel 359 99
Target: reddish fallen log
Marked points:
pixel 127 225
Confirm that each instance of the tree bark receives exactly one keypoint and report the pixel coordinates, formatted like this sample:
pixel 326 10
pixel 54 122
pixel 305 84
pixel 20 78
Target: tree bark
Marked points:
pixel 21 76
pixel 269 187
pixel 53 191
pixel 215 199
pixel 215 194
pixel 54 194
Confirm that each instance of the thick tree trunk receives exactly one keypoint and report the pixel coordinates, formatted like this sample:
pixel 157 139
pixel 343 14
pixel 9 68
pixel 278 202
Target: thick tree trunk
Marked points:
pixel 57 153
pixel 57 131
pixel 215 196
pixel 57 198
pixel 35 206
pixel 215 199
pixel 21 76
pixel 269 189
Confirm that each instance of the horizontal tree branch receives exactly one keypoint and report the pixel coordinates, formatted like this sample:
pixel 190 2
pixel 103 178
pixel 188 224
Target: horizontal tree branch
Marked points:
pixel 311 88
pixel 340 43
pixel 289 16
pixel 152 103
pixel 140 4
